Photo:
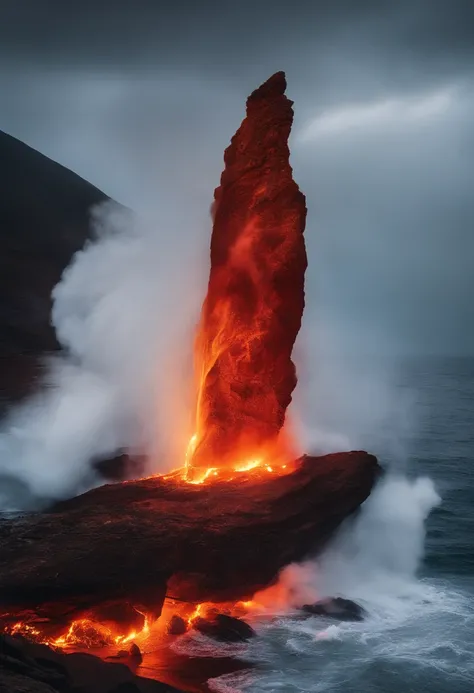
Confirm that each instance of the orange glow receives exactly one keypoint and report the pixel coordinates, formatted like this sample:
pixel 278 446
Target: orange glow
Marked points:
pixel 273 459
pixel 202 476
pixel 83 633
pixel 247 466
pixel 27 630
pixel 197 613
pixel 88 634
pixel 251 315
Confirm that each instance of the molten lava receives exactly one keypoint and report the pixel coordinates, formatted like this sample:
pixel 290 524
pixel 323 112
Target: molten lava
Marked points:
pixel 254 304
pixel 257 466
pixel 82 633
pixel 92 634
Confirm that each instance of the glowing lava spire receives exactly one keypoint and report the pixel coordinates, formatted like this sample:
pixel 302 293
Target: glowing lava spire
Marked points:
pixel 255 300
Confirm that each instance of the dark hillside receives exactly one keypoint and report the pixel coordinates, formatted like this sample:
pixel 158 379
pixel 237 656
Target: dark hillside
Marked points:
pixel 44 220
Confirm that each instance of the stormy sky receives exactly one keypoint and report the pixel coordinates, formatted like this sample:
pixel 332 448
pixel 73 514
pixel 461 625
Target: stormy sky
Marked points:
pixel 141 99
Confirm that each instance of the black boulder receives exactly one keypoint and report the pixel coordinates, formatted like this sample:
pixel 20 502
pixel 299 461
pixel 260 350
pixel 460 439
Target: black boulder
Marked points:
pixel 224 628
pixel 336 607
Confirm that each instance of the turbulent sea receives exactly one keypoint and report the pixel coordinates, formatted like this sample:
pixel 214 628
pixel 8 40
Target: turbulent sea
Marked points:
pixel 409 560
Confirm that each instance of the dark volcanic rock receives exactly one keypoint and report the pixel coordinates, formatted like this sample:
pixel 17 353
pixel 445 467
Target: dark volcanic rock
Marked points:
pixel 338 608
pixel 11 682
pixel 120 467
pixel 215 542
pixel 224 628
pixel 135 653
pixel 176 626
pixel 44 220
pixel 27 667
pixel 121 614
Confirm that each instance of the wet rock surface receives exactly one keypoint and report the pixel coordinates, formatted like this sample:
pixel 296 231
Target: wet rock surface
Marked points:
pixel 177 626
pixel 337 608
pixel 224 628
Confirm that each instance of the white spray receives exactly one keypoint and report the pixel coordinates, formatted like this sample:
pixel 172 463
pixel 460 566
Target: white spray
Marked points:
pixel 377 554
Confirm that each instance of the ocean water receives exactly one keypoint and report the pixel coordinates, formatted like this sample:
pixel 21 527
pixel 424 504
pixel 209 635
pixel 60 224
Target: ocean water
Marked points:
pixel 409 559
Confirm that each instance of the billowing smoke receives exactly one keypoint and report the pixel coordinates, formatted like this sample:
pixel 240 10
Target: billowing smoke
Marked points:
pixel 124 312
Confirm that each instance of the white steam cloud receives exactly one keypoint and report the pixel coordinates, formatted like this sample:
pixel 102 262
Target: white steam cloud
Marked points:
pixel 373 558
pixel 124 312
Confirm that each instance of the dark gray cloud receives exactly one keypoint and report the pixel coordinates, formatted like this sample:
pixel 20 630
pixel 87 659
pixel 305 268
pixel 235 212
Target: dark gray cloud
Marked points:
pixel 142 97
pixel 233 39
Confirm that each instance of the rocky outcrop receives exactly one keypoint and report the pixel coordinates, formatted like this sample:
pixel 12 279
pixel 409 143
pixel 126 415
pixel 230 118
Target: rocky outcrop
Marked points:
pixel 338 608
pixel 255 299
pixel 136 540
pixel 44 220
pixel 224 628
pixel 27 667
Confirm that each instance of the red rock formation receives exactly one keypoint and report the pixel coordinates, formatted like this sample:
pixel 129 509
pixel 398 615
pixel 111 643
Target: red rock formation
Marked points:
pixel 255 300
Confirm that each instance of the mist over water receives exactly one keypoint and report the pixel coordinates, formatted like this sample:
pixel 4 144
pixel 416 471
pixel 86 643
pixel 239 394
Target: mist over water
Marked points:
pixel 349 395
pixel 385 545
